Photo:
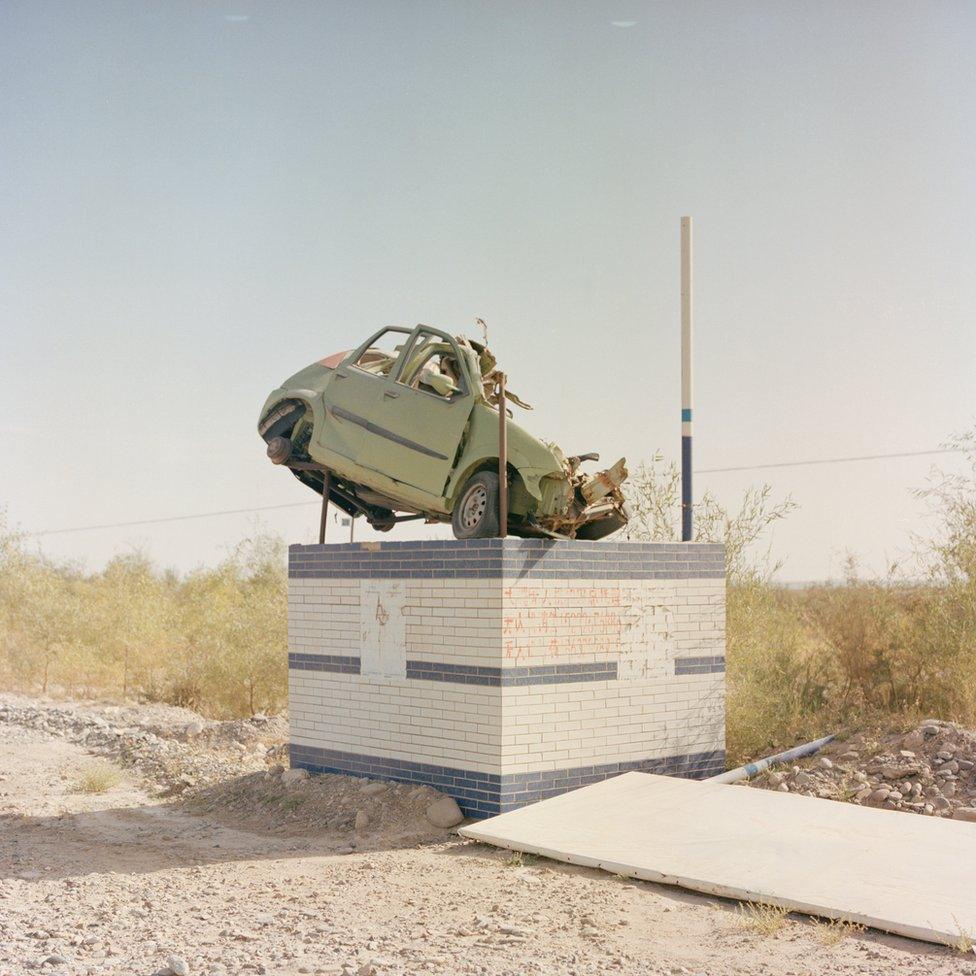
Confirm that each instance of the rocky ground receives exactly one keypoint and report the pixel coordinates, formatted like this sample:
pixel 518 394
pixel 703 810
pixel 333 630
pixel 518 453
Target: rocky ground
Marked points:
pixel 232 773
pixel 202 856
pixel 173 749
pixel 929 770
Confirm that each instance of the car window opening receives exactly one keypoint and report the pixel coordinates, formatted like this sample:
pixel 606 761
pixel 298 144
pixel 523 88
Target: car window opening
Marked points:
pixel 434 370
pixel 378 361
pixel 431 366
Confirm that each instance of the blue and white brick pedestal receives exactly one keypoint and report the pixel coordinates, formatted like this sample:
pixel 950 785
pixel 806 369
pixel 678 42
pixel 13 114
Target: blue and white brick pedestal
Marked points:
pixel 506 671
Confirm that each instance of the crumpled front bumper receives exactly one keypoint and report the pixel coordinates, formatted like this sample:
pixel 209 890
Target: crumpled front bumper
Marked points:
pixel 597 506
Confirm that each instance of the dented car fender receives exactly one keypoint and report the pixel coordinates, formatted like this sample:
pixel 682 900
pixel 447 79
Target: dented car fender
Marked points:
pixel 312 400
pixel 479 448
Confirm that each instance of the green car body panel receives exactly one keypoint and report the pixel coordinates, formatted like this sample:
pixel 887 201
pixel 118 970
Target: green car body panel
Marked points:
pixel 406 430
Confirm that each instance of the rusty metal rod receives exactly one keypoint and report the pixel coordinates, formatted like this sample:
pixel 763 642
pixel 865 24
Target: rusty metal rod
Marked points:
pixel 502 459
pixel 325 504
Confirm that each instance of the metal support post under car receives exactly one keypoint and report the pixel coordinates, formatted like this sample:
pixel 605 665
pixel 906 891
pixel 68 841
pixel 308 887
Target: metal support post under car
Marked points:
pixel 325 504
pixel 502 460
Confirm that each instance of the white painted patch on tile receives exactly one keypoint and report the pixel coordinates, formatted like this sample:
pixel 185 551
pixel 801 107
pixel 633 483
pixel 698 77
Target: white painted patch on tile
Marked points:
pixel 646 646
pixel 383 628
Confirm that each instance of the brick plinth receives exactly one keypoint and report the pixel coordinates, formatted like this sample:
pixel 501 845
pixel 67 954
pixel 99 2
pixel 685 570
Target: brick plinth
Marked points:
pixel 506 671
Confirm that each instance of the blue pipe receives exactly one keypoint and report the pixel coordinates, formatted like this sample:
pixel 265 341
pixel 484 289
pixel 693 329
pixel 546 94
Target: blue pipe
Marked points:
pixel 761 765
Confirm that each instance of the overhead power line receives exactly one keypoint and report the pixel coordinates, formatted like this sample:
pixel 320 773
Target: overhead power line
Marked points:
pixel 840 460
pixel 173 518
pixel 269 508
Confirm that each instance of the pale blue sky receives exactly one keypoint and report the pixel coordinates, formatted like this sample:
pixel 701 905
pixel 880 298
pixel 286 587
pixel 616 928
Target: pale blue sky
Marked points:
pixel 200 198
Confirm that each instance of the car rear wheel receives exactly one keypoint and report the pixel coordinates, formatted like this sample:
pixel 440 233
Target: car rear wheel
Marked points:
pixel 475 514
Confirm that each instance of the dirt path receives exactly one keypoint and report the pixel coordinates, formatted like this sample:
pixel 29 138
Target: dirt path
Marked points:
pixel 119 882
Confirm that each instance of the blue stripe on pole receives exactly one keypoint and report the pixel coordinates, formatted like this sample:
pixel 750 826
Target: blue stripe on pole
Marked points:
pixel 686 415
pixel 686 509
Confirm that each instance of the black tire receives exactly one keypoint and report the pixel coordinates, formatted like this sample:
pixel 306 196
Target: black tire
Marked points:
pixel 475 514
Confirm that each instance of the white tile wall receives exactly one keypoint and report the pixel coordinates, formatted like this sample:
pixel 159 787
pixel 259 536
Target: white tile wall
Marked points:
pixel 643 626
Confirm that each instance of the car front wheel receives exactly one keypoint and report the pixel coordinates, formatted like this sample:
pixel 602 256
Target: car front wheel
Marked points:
pixel 475 514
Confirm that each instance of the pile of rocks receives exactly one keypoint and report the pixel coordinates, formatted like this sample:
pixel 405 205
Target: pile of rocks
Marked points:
pixel 929 770
pixel 173 748
pixel 238 734
pixel 232 771
pixel 290 802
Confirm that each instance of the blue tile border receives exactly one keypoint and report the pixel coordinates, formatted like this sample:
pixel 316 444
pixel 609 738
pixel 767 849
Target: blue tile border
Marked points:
pixel 335 663
pixel 486 794
pixel 523 788
pixel 508 559
pixel 467 674
pixel 477 794
pixel 504 677
pixel 700 665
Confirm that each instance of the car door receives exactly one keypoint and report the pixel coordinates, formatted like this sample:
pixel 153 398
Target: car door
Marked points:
pixel 353 395
pixel 423 410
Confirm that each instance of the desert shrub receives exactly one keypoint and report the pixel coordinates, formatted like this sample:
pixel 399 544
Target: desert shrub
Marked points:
pixel 44 618
pixel 132 625
pixel 803 663
pixel 904 647
pixel 654 499
pixel 233 624
pixel 780 675
pixel 763 919
pixel 214 641
pixel 947 633
pixel 800 663
pixel 96 778
pixel 831 932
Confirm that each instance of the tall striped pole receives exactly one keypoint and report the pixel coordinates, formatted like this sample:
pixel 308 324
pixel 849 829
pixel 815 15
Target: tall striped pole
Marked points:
pixel 686 393
pixel 502 459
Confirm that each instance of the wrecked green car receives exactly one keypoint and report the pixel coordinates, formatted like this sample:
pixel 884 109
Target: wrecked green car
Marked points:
pixel 407 427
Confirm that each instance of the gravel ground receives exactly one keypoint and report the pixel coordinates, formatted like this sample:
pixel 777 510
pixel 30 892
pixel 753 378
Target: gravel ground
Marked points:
pixel 929 770
pixel 249 870
pixel 173 749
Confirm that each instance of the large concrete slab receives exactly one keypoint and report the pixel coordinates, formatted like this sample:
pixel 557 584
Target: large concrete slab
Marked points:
pixel 911 875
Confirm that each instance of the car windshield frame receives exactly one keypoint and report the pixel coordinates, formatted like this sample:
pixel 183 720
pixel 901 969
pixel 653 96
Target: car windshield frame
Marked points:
pixel 352 360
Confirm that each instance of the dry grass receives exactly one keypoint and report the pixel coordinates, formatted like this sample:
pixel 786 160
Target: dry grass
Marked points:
pixel 803 663
pixel 830 932
pixel 965 943
pixel 214 641
pixel 762 919
pixel 96 778
pixel 515 860
pixel 849 791
pixel 800 663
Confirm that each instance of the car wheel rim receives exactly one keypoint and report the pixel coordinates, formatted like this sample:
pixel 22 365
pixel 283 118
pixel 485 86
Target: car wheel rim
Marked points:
pixel 474 506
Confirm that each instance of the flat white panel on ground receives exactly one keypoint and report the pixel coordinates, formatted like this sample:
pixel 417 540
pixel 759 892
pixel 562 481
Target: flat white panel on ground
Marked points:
pixel 903 873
